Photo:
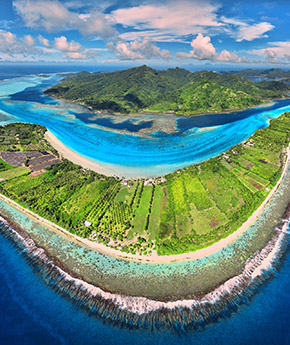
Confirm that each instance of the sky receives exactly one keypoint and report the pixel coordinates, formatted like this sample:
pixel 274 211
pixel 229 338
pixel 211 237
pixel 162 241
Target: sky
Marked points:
pixel 248 33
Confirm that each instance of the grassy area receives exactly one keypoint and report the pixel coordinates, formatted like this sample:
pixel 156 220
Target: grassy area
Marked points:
pixel 12 173
pixel 208 220
pixel 4 165
pixel 126 194
pixel 140 219
pixel 154 223
pixel 23 183
pixel 196 191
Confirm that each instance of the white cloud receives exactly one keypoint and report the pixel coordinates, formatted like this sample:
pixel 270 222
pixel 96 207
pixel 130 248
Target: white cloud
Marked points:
pixel 243 31
pixel 43 41
pixel 251 32
pixel 227 56
pixel 155 35
pixel 271 56
pixel 61 43
pixel 72 49
pixel 122 50
pixel 276 52
pixel 53 16
pixel 203 49
pixel 11 44
pixel 170 19
pixel 75 55
pixel 28 41
pixel 175 21
pixel 137 49
pixel 13 48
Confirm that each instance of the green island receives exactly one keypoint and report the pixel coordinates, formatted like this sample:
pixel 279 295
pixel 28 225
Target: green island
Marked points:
pixel 174 90
pixel 181 212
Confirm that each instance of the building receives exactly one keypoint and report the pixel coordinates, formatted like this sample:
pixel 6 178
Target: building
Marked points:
pixel 87 223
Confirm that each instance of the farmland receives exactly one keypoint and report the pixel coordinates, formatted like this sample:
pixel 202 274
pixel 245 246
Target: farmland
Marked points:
pixel 187 210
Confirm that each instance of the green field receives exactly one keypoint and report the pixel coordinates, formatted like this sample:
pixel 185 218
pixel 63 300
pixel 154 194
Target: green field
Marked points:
pixel 12 173
pixel 140 219
pixel 154 222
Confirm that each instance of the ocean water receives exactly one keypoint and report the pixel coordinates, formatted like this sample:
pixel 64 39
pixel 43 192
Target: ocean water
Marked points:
pixel 122 146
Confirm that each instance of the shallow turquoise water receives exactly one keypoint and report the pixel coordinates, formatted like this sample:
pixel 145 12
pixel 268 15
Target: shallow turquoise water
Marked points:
pixel 125 153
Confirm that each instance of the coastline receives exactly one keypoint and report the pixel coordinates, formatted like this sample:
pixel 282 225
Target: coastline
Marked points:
pixel 154 258
pixel 266 103
pixel 75 157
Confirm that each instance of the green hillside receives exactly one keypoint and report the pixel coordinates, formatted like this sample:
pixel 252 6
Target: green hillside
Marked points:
pixel 173 90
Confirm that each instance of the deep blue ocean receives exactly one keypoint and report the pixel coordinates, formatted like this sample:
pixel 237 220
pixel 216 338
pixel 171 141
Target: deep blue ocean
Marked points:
pixel 32 314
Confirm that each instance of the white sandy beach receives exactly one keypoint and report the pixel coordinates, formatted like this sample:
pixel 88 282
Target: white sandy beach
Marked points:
pixel 76 157
pixel 105 169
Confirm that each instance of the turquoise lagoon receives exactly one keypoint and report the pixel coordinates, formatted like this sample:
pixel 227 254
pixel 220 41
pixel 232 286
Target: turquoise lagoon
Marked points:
pixel 136 146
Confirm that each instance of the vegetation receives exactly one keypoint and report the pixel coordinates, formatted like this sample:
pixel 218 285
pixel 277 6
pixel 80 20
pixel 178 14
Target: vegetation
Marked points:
pixel 174 90
pixel 21 137
pixel 187 210
pixel 12 173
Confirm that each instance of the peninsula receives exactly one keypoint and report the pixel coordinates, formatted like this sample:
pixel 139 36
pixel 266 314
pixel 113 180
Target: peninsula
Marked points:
pixel 182 212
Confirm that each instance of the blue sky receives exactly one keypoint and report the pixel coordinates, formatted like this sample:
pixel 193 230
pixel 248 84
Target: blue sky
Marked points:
pixel 241 33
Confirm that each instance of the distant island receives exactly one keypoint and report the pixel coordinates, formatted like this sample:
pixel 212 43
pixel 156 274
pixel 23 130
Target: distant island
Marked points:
pixel 175 91
pixel 267 74
pixel 190 209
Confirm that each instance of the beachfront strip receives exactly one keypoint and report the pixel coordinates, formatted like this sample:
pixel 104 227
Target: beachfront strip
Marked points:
pixel 187 210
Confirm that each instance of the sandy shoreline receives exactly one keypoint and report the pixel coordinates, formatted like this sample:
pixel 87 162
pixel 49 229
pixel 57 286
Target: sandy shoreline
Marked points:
pixel 154 258
pixel 103 168
pixel 76 157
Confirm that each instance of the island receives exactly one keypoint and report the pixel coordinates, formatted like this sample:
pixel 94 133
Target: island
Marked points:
pixel 174 91
pixel 272 74
pixel 185 211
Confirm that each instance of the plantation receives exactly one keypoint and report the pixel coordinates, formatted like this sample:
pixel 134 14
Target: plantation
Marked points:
pixel 190 209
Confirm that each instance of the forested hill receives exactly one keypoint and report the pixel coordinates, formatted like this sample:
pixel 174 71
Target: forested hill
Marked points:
pixel 173 90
